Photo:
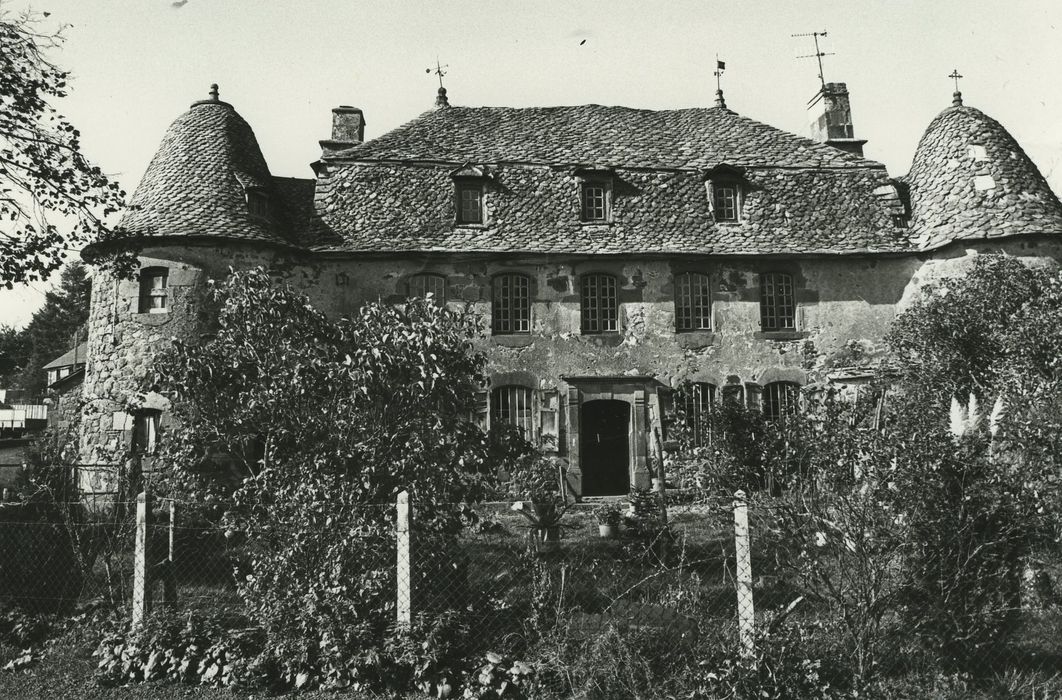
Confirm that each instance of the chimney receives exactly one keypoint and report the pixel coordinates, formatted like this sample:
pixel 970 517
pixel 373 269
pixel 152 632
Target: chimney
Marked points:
pixel 834 126
pixel 348 129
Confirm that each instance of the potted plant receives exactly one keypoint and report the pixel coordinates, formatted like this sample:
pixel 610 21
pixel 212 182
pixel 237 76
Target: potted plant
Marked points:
pixel 535 483
pixel 608 520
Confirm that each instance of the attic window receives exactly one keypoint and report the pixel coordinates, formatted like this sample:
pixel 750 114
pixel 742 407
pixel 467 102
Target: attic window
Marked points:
pixel 469 202
pixel 595 194
pixel 469 194
pixel 726 188
pixel 257 203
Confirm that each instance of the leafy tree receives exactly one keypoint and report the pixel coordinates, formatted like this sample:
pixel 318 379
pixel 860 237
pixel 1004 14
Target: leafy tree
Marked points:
pixel 307 428
pixel 53 329
pixel 43 173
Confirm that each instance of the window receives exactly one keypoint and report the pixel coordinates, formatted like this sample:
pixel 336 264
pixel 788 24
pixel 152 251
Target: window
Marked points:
pixel 600 310
pixel 696 406
pixel 780 399
pixel 594 202
pixel 469 203
pixel 512 405
pixel 777 308
pixel 423 285
pixel 693 302
pixel 152 290
pixel 511 304
pixel 725 202
pixel 145 432
pixel 258 203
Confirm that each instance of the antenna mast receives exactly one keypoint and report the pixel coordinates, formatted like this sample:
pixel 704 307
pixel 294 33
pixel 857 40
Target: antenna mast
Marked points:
pixel 819 53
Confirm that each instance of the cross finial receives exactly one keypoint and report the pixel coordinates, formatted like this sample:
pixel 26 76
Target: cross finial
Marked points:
pixel 956 97
pixel 720 66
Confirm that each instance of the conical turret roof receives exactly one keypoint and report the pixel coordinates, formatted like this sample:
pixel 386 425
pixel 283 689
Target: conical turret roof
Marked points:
pixel 971 180
pixel 199 180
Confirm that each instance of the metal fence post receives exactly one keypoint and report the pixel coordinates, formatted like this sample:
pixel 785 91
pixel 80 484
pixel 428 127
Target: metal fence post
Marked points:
pixel 743 556
pixel 403 563
pixel 141 568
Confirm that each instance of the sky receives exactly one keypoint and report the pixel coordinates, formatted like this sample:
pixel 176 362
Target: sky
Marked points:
pixel 283 64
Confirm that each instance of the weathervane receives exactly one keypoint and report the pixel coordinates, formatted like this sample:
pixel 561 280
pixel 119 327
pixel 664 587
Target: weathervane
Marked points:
pixel 440 99
pixel 818 56
pixel 956 97
pixel 438 70
pixel 720 66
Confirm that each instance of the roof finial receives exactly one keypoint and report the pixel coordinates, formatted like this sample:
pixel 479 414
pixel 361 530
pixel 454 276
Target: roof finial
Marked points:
pixel 214 92
pixel 720 66
pixel 440 98
pixel 956 97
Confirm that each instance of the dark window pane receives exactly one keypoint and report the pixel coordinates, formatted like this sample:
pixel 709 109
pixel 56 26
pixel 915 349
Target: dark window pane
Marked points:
pixel 780 399
pixel 693 305
pixel 777 305
pixel 511 304
pixel 470 204
pixel 600 308
pixel 512 405
pixel 594 208
pixel 423 285
pixel 726 203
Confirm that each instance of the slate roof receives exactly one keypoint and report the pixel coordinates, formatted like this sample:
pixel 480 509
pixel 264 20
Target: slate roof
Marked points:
pixel 592 134
pixel 971 180
pixel 197 182
pixel 394 193
pixel 67 358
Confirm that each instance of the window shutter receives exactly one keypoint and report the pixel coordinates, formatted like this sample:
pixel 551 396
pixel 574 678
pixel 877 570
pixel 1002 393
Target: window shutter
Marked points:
pixel 482 410
pixel 549 418
pixel 753 395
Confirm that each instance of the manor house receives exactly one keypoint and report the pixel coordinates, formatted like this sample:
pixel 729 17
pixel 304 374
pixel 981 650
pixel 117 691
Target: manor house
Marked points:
pixel 613 253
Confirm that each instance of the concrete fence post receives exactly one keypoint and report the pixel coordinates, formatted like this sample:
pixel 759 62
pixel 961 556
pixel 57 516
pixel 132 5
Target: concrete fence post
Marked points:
pixel 403 564
pixel 743 555
pixel 141 556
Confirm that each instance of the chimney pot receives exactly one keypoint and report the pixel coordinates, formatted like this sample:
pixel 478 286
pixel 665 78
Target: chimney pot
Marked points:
pixel 348 129
pixel 834 126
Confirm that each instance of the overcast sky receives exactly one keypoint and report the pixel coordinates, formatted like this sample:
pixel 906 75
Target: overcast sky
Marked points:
pixel 283 64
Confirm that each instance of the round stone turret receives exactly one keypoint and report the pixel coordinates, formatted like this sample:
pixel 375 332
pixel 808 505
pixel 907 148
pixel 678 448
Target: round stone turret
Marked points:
pixel 971 180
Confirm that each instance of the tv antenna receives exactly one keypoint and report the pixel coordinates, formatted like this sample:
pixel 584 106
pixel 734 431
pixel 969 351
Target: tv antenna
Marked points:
pixel 819 53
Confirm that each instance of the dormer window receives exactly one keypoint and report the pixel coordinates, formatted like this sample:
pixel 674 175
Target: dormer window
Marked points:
pixel 595 202
pixel 726 187
pixel 726 202
pixel 469 203
pixel 257 203
pixel 469 194
pixel 595 195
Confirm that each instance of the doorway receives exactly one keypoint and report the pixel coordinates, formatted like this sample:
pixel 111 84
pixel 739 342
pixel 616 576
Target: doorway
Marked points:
pixel 604 447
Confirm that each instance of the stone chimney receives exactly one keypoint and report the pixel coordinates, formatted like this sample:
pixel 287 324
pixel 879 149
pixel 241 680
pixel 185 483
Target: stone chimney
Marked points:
pixel 834 126
pixel 348 129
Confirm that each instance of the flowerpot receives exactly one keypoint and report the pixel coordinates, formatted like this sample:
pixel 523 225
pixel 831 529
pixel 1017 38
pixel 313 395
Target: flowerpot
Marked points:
pixel 607 531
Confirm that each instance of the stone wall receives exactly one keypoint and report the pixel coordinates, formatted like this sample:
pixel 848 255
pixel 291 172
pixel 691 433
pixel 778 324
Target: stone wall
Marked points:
pixel 844 306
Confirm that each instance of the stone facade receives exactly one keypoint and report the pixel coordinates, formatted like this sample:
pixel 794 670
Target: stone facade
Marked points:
pixel 853 241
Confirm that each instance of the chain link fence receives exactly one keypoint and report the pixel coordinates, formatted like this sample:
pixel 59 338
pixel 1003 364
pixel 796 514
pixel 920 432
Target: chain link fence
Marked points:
pixel 600 603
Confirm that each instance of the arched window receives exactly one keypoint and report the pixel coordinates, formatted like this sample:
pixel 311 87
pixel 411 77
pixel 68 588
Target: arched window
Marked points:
pixel 693 302
pixel 152 291
pixel 512 404
pixel 600 309
pixel 425 284
pixel 780 399
pixel 511 304
pixel 777 306
pixel 696 401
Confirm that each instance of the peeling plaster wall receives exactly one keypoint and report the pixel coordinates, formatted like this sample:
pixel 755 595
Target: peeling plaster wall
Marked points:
pixel 839 301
